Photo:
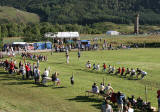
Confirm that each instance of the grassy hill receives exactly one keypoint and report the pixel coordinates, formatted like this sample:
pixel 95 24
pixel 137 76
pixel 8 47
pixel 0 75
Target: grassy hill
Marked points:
pixel 9 14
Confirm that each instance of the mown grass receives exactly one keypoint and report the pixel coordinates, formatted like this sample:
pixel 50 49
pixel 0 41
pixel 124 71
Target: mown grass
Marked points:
pixel 10 14
pixel 23 96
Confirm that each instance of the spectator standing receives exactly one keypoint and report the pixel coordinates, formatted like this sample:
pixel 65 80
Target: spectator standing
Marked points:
pixel 120 98
pixel 37 62
pixel 27 70
pixel 36 75
pixel 79 54
pixel 22 71
pixel 67 58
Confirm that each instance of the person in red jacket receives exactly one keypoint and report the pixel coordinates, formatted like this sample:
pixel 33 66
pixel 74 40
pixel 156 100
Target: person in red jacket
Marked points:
pixel 123 70
pixel 11 68
pixel 104 67
pixel 118 71
pixel 27 71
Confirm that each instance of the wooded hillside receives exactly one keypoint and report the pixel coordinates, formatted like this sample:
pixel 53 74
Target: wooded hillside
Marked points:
pixel 90 11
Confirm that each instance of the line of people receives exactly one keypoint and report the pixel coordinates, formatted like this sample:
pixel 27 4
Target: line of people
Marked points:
pixel 33 56
pixel 121 71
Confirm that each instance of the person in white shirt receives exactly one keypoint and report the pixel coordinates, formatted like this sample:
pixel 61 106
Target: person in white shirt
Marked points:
pixel 133 72
pixel 108 90
pixel 106 107
pixel 46 73
pixel 95 88
pixel 22 71
pixel 143 74
pixel 98 67
pixel 109 69
pixel 67 58
pixel 129 107
pixel 88 64
pixel 45 76
pixel 102 88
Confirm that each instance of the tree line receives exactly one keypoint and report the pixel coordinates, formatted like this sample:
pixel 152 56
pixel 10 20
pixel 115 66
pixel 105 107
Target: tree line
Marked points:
pixel 35 32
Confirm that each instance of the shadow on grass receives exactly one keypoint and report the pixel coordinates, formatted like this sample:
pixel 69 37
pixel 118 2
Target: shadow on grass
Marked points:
pixel 9 77
pixel 88 99
pixel 18 83
pixel 53 87
pixel 98 106
pixel 85 99
pixel 58 63
pixel 59 87
pixel 39 85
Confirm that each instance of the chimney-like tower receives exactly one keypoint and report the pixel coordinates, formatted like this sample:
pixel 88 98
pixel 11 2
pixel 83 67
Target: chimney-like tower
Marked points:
pixel 136 25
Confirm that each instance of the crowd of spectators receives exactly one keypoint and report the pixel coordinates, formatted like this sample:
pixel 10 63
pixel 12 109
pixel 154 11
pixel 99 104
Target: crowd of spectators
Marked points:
pixel 29 71
pixel 120 101
pixel 31 56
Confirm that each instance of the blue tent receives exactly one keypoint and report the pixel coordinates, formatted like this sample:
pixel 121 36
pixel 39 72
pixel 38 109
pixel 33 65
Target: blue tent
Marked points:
pixel 48 45
pixel 42 45
pixel 87 43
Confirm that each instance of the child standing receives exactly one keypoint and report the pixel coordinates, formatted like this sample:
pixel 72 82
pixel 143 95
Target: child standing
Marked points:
pixel 72 80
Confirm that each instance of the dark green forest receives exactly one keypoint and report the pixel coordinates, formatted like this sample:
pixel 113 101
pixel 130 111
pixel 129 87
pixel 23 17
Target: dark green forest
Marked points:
pixel 90 11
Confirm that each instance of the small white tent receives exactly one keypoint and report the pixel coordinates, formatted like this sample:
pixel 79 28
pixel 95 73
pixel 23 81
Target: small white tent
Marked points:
pixel 112 33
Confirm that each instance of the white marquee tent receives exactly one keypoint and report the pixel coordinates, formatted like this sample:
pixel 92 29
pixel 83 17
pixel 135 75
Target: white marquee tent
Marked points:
pixel 62 35
pixel 112 33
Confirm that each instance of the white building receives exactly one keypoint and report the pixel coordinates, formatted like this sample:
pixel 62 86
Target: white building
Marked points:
pixel 112 33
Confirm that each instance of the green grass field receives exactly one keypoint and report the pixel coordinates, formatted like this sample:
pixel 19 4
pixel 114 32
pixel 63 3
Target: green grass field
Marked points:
pixel 18 95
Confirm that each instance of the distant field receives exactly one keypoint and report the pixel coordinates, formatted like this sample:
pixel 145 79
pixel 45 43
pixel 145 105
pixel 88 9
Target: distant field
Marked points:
pixel 124 28
pixel 9 14
pixel 23 96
